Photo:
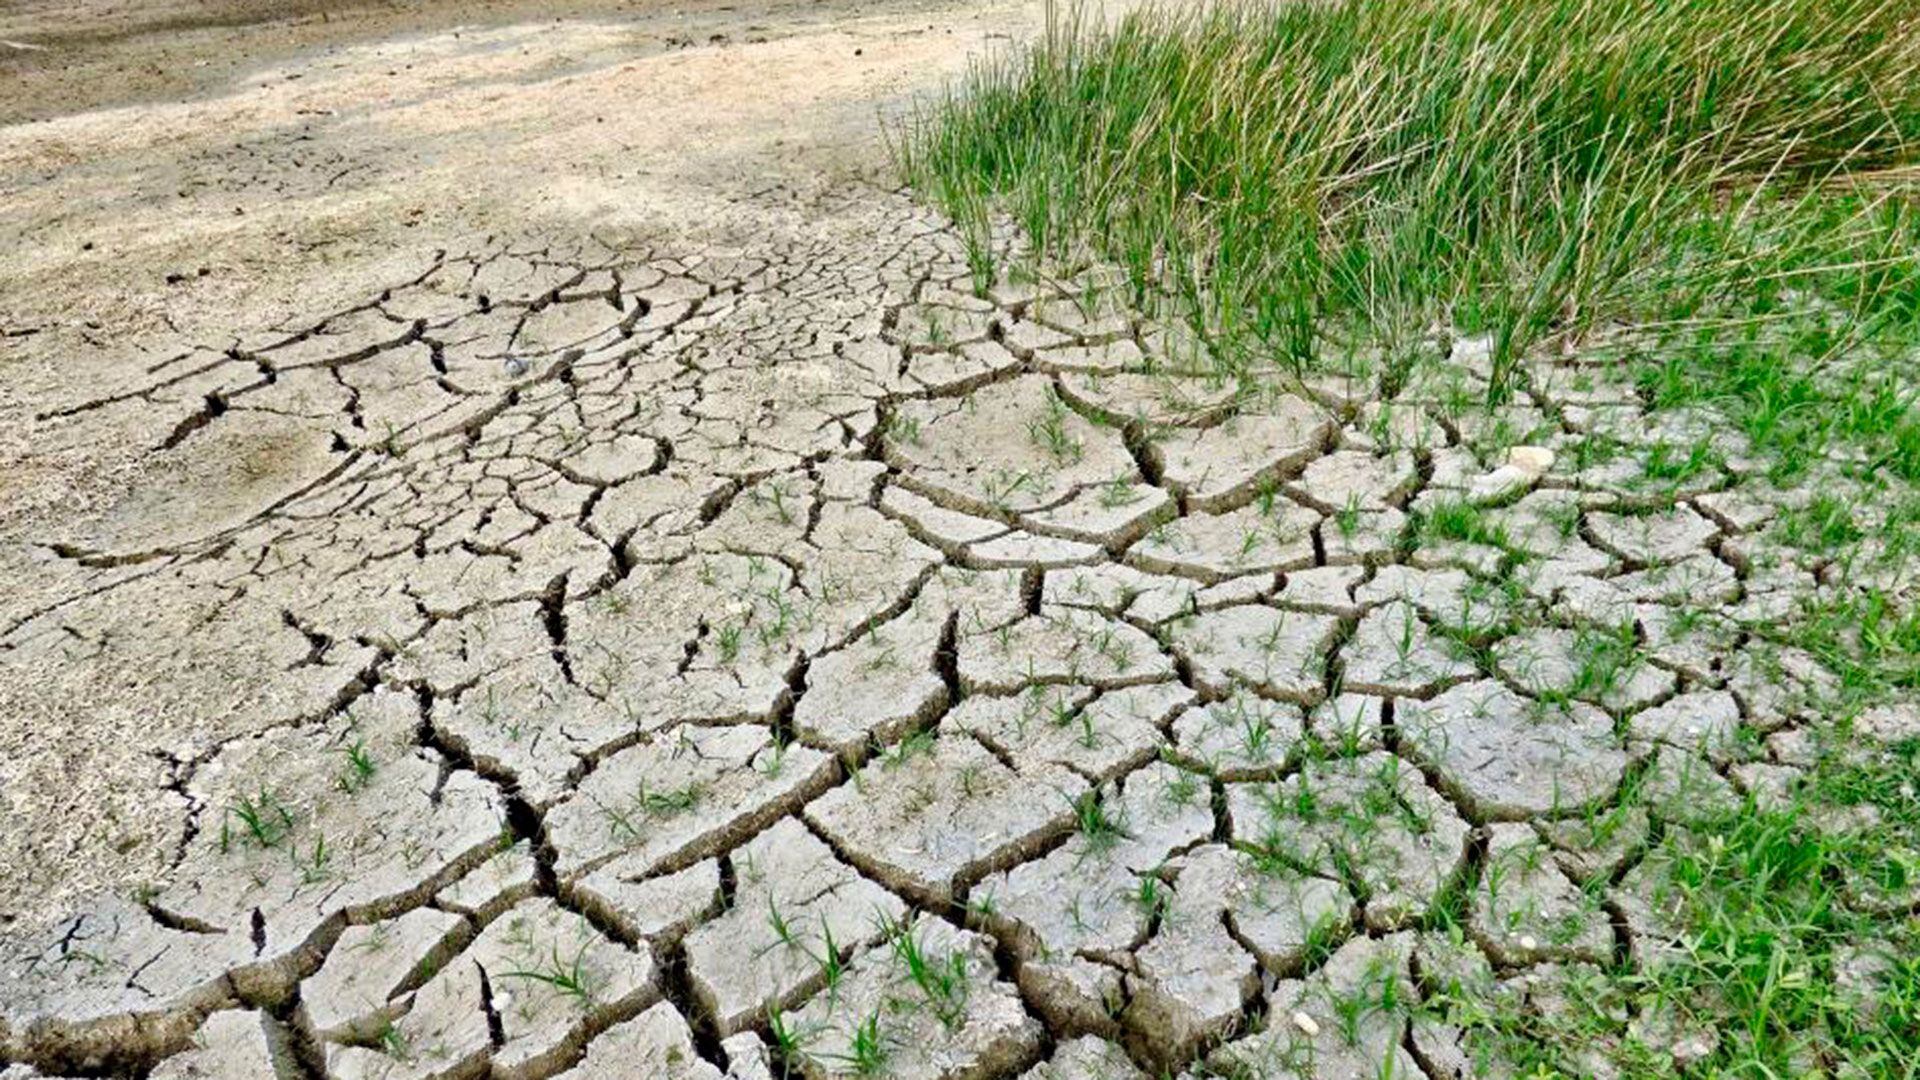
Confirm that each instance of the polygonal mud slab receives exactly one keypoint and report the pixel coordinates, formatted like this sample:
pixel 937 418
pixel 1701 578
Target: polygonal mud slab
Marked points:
pixel 233 1045
pixel 1601 667
pixel 748 1058
pixel 1351 538
pixel 1275 653
pixel 1458 988
pixel 1086 1058
pixel 1889 724
pixel 681 796
pixel 951 531
pixel 1348 480
pixel 1571 997
pixel 522 1001
pixel 1191 984
pixel 972 364
pixel 938 813
pixel 628 896
pixel 1461 1027
pixel 1444 595
pixel 1484 560
pixel 1698 580
pixel 1682 788
pixel 1686 640
pixel 111 984
pixel 879 687
pixel 1706 723
pixel 1260 538
pixel 1394 653
pixel 358 991
pixel 1159 398
pixel 1372 817
pixel 1111 515
pixel 1244 737
pixel 1116 589
pixel 927 999
pixel 1059 645
pixel 974 601
pixel 657 1045
pixel 526 724
pixel 1866 974
pixel 1509 758
pixel 458 652
pixel 1215 468
pixel 1071 916
pixel 1654 900
pixel 1326 589
pixel 508 876
pixel 305 828
pixel 1546 525
pixel 1599 844
pixel 1349 1019
pixel 1098 737
pixel 1349 724
pixel 714 636
pixel 1102 320
pixel 1011 447
pixel 1778 686
pixel 1650 539
pixel 1524 910
pixel 796 912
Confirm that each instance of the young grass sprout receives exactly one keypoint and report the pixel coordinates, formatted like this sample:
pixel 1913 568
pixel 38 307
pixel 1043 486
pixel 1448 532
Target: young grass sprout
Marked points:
pixel 941 980
pixel 566 975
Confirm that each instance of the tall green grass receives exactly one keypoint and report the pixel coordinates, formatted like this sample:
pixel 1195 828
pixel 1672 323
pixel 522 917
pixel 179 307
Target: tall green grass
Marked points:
pixel 1719 198
pixel 1731 179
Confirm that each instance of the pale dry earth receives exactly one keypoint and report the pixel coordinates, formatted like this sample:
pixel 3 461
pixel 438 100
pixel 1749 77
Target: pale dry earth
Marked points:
pixel 528 556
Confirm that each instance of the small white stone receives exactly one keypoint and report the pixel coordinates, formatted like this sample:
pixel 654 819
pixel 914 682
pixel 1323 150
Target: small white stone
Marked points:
pixel 1307 1025
pixel 1527 942
pixel 1499 485
pixel 1533 460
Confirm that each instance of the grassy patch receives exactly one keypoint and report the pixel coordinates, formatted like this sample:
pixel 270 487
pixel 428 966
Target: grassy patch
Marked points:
pixel 1714 194
pixel 1712 205
pixel 1784 965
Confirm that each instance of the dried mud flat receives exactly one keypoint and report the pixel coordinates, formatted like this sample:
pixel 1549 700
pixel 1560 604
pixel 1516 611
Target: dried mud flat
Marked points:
pixel 601 651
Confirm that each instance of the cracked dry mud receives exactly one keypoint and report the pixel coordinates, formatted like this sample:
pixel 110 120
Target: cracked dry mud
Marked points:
pixel 787 618
pixel 794 656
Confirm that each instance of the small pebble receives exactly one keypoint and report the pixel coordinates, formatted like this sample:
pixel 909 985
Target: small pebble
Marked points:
pixel 515 366
pixel 1306 1024
pixel 1531 459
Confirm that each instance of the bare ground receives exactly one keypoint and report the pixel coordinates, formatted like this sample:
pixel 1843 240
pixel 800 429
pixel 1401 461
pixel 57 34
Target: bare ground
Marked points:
pixel 325 161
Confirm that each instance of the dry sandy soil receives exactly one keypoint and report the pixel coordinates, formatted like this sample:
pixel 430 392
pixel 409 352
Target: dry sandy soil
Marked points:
pixel 526 555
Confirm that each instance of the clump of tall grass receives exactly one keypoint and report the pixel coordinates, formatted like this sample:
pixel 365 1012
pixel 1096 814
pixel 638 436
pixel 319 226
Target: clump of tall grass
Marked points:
pixel 1300 177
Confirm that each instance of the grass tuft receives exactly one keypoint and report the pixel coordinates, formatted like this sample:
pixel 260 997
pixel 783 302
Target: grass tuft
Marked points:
pixel 1718 195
